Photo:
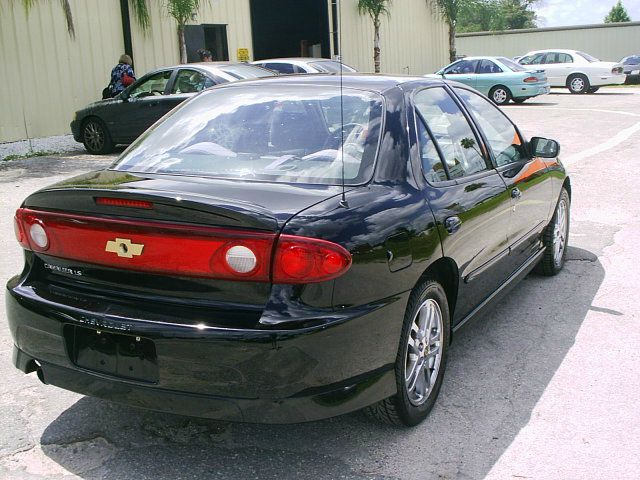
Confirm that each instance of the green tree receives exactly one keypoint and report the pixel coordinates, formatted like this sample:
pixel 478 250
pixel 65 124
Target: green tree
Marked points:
pixel 492 15
pixel 139 8
pixel 449 10
pixel 617 14
pixel 375 9
pixel 182 11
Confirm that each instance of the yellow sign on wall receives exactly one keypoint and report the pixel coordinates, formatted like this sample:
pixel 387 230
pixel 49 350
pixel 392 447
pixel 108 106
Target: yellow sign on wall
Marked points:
pixel 243 54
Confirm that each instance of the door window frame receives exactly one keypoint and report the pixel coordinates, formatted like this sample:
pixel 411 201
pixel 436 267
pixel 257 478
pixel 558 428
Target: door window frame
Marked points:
pixel 526 159
pixel 415 115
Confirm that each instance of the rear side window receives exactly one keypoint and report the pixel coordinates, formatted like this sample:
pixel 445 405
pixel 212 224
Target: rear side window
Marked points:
pixel 487 66
pixel 503 138
pixel 451 131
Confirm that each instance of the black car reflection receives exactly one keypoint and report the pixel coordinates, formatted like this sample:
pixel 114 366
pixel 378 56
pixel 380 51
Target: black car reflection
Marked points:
pixel 102 125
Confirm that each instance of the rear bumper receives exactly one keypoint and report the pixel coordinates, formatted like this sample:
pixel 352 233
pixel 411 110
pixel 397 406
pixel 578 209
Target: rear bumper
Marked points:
pixel 261 376
pixel 528 91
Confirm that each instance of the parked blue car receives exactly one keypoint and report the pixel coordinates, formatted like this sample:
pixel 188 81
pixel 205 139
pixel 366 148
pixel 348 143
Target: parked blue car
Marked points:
pixel 498 78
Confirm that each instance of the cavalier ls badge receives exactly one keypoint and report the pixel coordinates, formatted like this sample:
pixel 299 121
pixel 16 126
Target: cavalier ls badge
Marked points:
pixel 124 248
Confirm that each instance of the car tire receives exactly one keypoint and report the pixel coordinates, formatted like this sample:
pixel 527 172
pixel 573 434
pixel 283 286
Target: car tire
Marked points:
pixel 556 238
pixel 420 364
pixel 500 95
pixel 95 137
pixel 593 89
pixel 520 99
pixel 578 83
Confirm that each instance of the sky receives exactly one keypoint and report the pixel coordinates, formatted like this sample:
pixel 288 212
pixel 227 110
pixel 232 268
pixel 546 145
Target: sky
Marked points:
pixel 553 13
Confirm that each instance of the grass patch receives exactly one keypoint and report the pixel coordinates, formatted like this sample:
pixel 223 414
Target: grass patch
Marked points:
pixel 31 154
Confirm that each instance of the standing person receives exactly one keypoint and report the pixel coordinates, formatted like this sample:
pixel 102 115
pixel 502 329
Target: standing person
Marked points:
pixel 205 55
pixel 121 77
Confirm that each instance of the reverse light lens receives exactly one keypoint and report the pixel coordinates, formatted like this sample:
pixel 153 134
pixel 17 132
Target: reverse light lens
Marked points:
pixel 39 236
pixel 241 259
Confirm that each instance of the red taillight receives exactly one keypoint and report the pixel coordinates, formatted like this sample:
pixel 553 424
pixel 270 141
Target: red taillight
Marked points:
pixel 530 80
pixel 187 250
pixel 308 260
pixel 123 202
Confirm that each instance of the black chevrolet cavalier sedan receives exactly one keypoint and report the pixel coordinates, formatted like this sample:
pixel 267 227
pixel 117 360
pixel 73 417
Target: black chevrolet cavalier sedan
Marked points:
pixel 287 249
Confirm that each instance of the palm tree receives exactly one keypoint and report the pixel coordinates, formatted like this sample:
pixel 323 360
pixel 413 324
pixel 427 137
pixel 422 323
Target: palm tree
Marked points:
pixel 182 11
pixel 139 7
pixel 375 9
pixel 449 10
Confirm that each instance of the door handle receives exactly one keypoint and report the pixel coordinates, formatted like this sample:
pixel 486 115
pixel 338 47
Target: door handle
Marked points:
pixel 516 193
pixel 452 224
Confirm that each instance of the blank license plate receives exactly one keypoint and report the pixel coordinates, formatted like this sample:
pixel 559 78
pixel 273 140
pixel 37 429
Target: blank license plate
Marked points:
pixel 125 356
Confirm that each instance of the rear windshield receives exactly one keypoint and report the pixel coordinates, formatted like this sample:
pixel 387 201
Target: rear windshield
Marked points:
pixel 632 60
pixel 516 67
pixel 242 72
pixel 275 133
pixel 329 66
pixel 588 57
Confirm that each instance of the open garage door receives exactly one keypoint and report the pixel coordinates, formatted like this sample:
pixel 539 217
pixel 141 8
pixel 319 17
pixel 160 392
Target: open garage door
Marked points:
pixel 290 28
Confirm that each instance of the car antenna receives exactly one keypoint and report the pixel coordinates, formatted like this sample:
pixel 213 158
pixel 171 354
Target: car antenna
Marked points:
pixel 343 201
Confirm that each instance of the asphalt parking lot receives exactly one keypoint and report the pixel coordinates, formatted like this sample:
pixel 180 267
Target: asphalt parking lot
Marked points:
pixel 545 387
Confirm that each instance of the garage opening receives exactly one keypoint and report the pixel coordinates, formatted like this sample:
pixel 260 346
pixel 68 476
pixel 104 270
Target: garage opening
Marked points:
pixel 290 28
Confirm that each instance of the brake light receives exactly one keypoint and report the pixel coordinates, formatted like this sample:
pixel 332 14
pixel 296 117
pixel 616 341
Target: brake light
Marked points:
pixel 307 260
pixel 186 250
pixel 530 80
pixel 123 202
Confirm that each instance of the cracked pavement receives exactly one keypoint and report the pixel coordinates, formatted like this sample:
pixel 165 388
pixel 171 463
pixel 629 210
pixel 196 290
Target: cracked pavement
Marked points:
pixel 545 386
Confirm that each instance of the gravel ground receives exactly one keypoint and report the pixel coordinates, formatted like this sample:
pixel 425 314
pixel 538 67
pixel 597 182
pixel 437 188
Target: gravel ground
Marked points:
pixel 59 144
pixel 543 387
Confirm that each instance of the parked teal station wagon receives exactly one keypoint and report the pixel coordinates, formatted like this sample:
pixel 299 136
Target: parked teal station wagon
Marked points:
pixel 498 78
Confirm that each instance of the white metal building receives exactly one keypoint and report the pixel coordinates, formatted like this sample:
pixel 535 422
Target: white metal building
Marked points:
pixel 49 75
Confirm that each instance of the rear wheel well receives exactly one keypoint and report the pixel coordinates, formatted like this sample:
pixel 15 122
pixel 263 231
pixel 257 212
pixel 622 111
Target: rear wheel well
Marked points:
pixel 445 272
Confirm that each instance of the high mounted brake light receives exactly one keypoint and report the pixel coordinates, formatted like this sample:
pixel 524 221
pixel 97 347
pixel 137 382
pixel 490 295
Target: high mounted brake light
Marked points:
pixel 123 202
pixel 184 250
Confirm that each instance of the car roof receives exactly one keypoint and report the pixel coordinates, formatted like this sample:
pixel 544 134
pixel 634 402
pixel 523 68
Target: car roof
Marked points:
pixel 482 57
pixel 295 59
pixel 362 81
pixel 559 50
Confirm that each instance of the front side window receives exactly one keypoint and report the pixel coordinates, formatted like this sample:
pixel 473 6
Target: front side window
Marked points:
pixel 487 66
pixel 535 59
pixel 503 138
pixel 451 130
pixel 150 86
pixel 462 67
pixel 285 68
pixel 288 134
pixel 191 81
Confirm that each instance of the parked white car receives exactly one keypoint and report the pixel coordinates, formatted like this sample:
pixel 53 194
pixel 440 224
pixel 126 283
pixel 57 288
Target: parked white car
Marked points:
pixel 577 71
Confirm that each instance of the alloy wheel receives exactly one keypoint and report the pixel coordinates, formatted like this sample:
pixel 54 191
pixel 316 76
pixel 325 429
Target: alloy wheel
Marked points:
pixel 94 136
pixel 577 84
pixel 424 352
pixel 500 96
pixel 560 232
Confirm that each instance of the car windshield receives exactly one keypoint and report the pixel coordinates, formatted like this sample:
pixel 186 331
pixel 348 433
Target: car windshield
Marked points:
pixel 516 67
pixel 329 66
pixel 275 133
pixel 588 57
pixel 242 72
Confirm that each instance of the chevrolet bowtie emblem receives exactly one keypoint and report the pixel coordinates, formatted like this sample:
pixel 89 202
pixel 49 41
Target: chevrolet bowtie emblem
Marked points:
pixel 124 248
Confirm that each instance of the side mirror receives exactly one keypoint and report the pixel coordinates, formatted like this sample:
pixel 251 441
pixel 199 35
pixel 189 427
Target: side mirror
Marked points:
pixel 544 147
